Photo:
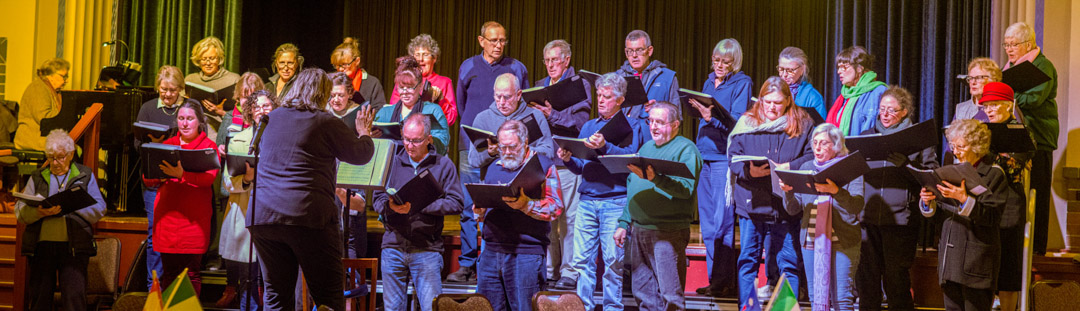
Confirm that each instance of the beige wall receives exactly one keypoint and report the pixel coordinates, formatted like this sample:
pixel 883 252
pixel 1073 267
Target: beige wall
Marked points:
pixel 19 25
pixel 1061 44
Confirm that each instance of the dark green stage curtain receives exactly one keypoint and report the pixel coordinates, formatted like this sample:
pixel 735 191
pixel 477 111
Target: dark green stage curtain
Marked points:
pixel 162 32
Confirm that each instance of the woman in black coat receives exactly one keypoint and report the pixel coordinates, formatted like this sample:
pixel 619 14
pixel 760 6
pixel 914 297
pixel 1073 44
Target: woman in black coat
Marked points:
pixel 969 248
pixel 890 230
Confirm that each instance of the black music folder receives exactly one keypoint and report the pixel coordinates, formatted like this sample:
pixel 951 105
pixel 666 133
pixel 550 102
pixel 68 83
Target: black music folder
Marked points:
pixel 953 173
pixel 197 160
pixel 754 160
pixel 530 178
pixel 561 95
pixel 840 172
pixel 618 130
pixel 359 99
pixel 390 130
pixel 218 97
pixel 236 161
pixel 70 200
pixel 145 130
pixel 1010 138
pixel 479 138
pixel 420 191
pixel 533 127
pixel 907 141
pixel 814 115
pixel 708 101
pixel 617 164
pixel 589 76
pixel 635 91
pixel 576 146
pixel 1023 76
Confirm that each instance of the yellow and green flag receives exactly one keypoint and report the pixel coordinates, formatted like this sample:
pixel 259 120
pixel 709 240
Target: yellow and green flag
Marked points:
pixel 181 295
pixel 153 300
pixel 783 297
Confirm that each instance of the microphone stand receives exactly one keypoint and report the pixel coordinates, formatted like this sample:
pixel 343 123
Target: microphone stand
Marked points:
pixel 254 279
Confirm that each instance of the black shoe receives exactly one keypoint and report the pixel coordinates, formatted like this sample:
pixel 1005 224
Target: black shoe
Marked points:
pixel 566 283
pixel 462 275
pixel 716 291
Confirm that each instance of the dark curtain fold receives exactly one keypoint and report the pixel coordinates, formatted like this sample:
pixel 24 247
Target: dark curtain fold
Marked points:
pixel 163 32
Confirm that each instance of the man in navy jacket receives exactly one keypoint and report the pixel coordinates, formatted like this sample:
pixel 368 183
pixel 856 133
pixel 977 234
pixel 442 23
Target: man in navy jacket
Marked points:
pixel 659 81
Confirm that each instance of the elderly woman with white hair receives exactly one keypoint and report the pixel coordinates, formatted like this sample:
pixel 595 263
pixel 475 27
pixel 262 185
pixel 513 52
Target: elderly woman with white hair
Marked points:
pixel 58 243
pixel 838 206
pixel 732 88
pixel 1041 116
pixel 969 248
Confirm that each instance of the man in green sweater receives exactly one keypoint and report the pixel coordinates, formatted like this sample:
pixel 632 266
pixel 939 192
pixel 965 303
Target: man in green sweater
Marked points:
pixel 660 208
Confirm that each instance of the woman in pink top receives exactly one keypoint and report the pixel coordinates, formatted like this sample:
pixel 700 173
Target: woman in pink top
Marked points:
pixel 426 51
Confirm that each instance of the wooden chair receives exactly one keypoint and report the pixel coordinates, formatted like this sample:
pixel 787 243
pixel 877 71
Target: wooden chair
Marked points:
pixel 360 272
pixel 461 302
pixel 557 301
pixel 103 273
pixel 1054 295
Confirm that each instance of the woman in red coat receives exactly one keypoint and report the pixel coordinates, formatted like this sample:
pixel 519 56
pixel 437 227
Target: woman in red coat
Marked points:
pixel 182 209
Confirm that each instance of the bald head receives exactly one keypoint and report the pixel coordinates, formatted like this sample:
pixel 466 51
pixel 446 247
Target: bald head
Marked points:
pixel 507 93
pixel 507 82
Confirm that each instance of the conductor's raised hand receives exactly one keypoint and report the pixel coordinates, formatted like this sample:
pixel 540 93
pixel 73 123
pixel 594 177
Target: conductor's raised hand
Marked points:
pixel 364 118
pixel 173 171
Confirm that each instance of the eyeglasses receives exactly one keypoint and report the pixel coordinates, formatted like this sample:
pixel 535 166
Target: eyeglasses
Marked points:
pixel 661 123
pixel 723 61
pixel 346 65
pixel 419 56
pixel 890 111
pixel 509 148
pixel 973 79
pixel 959 147
pixel 285 64
pixel 338 95
pixel 1008 45
pixel 787 71
pixel 822 143
pixel 169 90
pixel 997 105
pixel 209 60
pixel 56 157
pixel 416 141
pixel 502 41
pixel 553 60
pixel 636 52
pixel 406 89
pixel 843 66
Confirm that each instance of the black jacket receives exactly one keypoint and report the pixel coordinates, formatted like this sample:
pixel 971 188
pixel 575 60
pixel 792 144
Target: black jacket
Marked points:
pixel 969 250
pixel 422 229
pixel 753 196
pixel 892 194
pixel 80 223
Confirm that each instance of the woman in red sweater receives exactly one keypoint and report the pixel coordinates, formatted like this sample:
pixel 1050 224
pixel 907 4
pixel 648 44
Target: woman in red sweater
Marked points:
pixel 182 209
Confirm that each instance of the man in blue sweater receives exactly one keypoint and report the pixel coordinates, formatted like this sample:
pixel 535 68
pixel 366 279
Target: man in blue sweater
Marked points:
pixel 567 123
pixel 659 81
pixel 474 92
pixel 511 268
pixel 413 243
pixel 603 196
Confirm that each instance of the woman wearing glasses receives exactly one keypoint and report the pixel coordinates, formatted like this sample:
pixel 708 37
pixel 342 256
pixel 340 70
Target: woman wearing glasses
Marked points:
pixel 426 51
pixel 408 82
pixel 209 54
pixel 890 230
pixel 856 109
pixel 287 62
pixel 40 100
pixel 346 58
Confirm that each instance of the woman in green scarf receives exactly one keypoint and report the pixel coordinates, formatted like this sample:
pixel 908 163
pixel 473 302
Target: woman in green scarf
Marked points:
pixel 856 109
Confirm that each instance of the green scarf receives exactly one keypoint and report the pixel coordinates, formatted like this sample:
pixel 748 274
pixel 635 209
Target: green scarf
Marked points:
pixel 851 93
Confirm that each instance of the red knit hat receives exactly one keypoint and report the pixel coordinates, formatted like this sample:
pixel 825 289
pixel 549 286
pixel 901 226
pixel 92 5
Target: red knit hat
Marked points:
pixel 994 91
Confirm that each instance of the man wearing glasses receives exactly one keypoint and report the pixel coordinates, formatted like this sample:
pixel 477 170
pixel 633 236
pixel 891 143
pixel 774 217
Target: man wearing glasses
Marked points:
pixel 567 123
pixel 474 90
pixel 659 81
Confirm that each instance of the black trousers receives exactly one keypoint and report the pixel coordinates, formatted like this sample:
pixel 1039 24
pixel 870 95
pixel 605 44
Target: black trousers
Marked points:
pixel 318 252
pixel 1042 172
pixel 963 298
pixel 50 259
pixel 887 255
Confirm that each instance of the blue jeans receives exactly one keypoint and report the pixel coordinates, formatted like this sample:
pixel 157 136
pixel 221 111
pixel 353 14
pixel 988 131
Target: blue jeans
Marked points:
pixel 717 223
pixel 423 266
pixel 658 260
pixel 843 269
pixel 510 280
pixel 593 230
pixel 752 239
pixel 469 249
pixel 153 258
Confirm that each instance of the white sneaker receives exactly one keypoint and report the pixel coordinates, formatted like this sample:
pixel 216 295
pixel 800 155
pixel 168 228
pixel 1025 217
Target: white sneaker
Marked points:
pixel 764 292
pixel 997 304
